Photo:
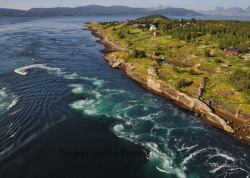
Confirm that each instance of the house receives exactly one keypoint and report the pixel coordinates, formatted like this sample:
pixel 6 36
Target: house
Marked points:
pixel 224 64
pixel 185 24
pixel 157 33
pixel 152 27
pixel 231 52
pixel 156 53
pixel 157 56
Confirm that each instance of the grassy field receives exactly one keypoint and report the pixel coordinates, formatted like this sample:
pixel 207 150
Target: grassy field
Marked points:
pixel 184 56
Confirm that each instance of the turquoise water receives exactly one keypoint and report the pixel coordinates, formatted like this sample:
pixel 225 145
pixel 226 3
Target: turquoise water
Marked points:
pixel 74 116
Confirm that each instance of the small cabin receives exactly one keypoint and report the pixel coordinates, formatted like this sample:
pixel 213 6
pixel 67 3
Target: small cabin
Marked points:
pixel 152 27
pixel 231 52
pixel 156 53
pixel 157 33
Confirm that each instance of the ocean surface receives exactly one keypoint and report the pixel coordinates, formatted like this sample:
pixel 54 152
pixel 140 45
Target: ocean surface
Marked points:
pixel 74 116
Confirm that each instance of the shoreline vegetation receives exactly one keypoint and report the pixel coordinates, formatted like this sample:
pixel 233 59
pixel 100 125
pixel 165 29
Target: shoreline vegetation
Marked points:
pixel 231 115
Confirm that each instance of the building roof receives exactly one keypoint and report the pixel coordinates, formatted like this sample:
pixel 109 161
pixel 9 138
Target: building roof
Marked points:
pixel 231 49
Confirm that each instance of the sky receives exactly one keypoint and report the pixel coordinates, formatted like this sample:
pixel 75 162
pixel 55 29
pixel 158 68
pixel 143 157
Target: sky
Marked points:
pixel 188 4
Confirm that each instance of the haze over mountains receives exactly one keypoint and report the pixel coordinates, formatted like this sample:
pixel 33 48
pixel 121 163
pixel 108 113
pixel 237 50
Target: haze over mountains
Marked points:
pixel 122 10
pixel 233 11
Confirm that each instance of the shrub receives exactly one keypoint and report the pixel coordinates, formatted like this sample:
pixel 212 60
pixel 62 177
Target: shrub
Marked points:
pixel 241 80
pixel 191 72
pixel 178 46
pixel 206 53
pixel 140 26
pixel 217 60
pixel 138 54
pixel 175 69
pixel 181 83
pixel 121 36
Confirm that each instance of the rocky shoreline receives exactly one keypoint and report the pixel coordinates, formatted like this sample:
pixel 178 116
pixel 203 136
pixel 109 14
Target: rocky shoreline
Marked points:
pixel 214 115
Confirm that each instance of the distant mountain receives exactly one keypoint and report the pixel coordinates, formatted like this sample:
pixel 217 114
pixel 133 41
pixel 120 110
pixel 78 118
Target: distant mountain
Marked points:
pixel 101 10
pixel 11 12
pixel 248 9
pixel 177 12
pixel 233 11
pixel 89 10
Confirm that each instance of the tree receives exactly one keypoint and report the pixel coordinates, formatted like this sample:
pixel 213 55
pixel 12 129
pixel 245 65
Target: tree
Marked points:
pixel 206 53
pixel 220 46
pixel 243 47
pixel 187 37
pixel 138 54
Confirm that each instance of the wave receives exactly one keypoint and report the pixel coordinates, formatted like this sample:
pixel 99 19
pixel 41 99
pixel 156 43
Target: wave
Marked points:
pixel 13 103
pixel 71 76
pixel 22 70
pixel 20 142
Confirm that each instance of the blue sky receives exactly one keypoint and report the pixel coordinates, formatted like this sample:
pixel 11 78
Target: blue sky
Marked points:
pixel 189 4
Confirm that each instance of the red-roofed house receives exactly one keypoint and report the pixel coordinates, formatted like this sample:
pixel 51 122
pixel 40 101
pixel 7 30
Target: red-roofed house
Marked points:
pixel 157 33
pixel 231 52
pixel 156 53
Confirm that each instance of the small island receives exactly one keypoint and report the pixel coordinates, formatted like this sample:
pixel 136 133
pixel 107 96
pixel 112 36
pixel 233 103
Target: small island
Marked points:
pixel 203 66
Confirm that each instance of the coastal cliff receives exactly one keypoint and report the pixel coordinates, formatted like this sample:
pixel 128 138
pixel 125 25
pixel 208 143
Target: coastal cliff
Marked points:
pixel 233 123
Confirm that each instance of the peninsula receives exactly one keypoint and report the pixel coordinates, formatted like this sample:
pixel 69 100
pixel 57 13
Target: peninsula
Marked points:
pixel 203 66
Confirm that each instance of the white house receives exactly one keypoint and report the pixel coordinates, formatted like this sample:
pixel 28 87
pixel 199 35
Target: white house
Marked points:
pixel 152 27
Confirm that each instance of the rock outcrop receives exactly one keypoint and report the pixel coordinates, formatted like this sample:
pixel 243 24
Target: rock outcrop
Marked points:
pixel 180 99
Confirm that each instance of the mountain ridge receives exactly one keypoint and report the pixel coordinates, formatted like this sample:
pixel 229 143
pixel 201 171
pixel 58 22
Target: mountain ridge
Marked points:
pixel 231 11
pixel 97 10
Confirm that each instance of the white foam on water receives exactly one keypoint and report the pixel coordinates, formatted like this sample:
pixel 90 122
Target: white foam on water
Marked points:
pixel 81 104
pixel 7 101
pixel 191 156
pixel 71 76
pixel 164 162
pixel 88 107
pixel 178 172
pixel 112 92
pixel 96 94
pixel 3 93
pixel 118 128
pixel 13 103
pixel 96 82
pixel 188 148
pixel 224 156
pixel 77 88
pixel 218 168
pixel 42 66
pixel 150 116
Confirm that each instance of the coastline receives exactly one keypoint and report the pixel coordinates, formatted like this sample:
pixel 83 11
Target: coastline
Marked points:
pixel 215 115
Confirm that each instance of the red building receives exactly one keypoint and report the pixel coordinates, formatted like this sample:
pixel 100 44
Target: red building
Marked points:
pixel 231 52
pixel 157 33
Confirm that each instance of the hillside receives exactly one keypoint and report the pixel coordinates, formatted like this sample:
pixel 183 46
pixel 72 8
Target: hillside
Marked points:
pixel 11 12
pixel 185 62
